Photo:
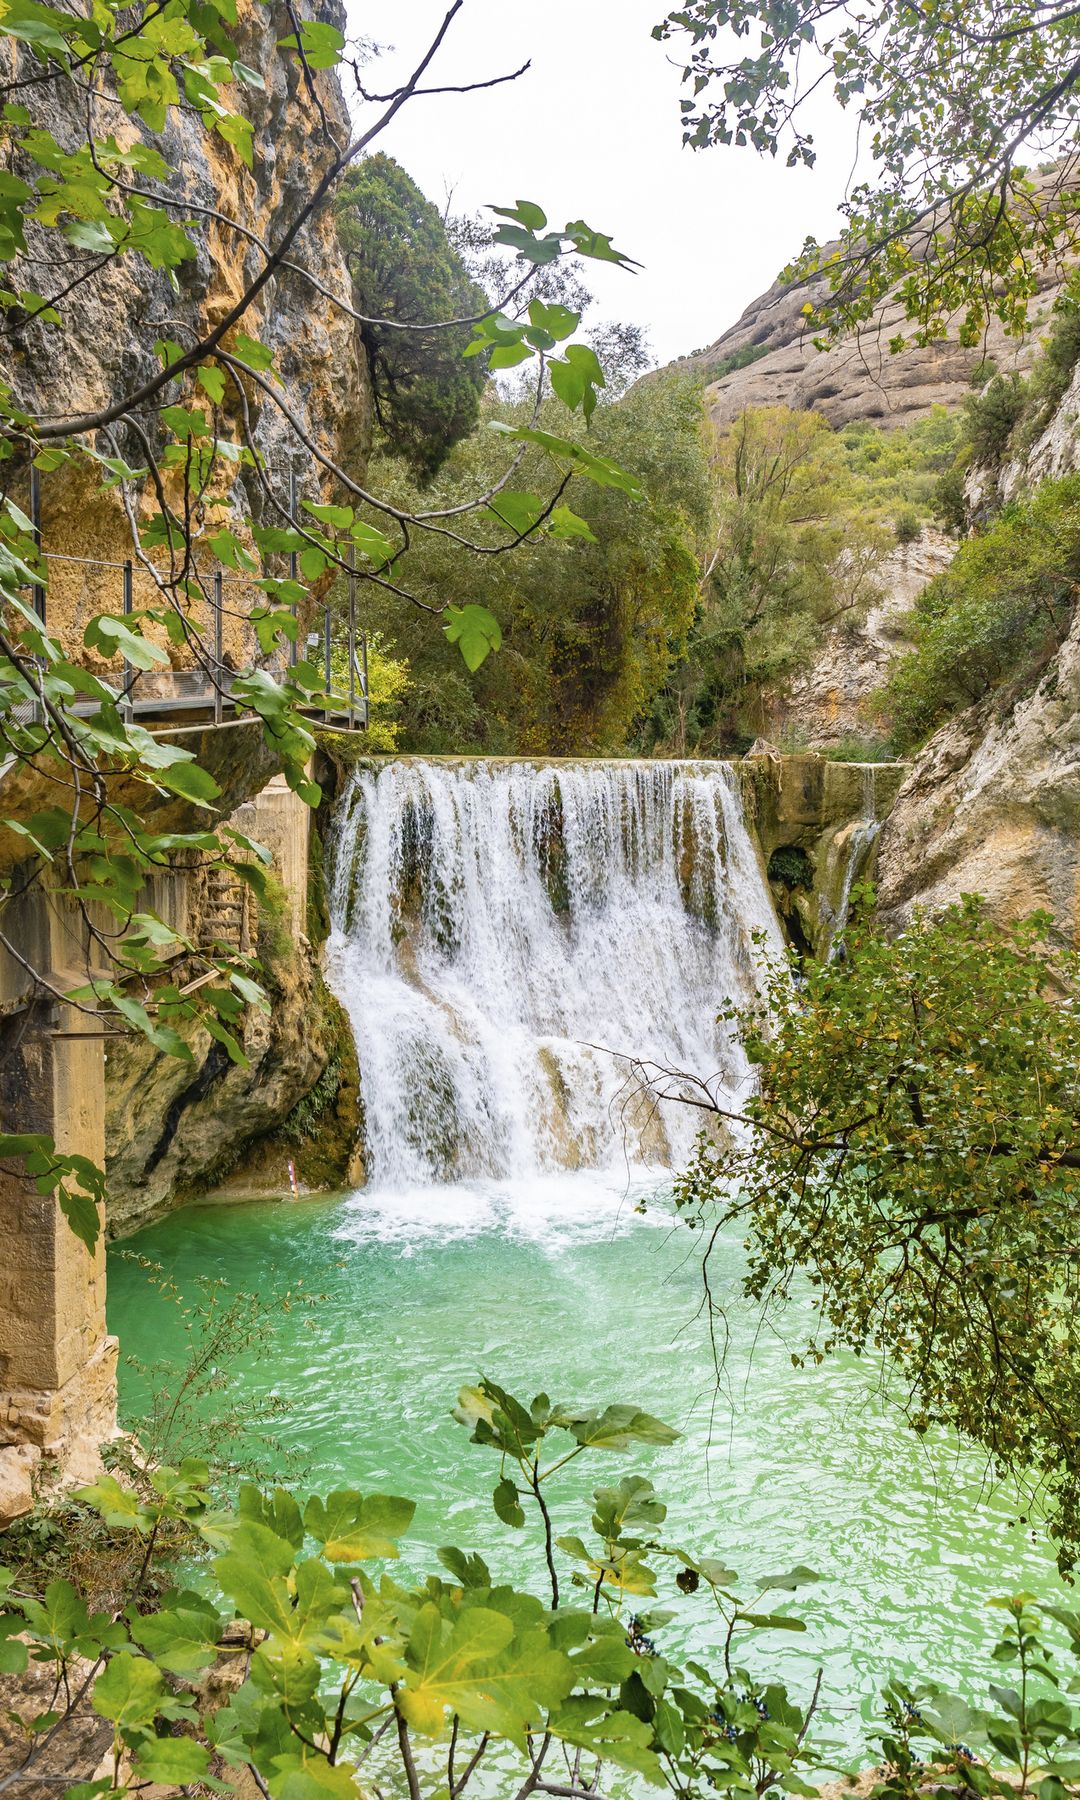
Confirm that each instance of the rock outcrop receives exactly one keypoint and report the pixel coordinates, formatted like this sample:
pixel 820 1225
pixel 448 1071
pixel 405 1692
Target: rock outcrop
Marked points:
pixel 110 329
pixel 856 378
pixel 992 807
pixel 827 706
pixel 175 1130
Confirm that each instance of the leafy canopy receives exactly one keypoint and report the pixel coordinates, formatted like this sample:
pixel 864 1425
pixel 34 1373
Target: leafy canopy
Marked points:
pixel 405 272
pixel 436 1677
pixel 915 1147
pixel 951 102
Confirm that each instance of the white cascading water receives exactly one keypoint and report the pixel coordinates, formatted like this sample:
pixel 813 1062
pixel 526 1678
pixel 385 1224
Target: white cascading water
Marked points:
pixel 508 937
pixel 854 844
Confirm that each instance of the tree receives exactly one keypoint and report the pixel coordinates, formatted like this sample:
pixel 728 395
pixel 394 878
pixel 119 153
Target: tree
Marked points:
pixel 914 1147
pixel 952 101
pixel 406 272
pixel 790 558
pixel 89 186
pixel 589 623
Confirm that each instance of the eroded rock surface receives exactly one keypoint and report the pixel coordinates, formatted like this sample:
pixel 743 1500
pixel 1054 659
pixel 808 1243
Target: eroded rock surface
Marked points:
pixel 857 378
pixel 992 806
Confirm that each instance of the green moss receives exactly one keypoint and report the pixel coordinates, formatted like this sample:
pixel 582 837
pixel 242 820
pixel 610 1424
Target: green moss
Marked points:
pixel 323 1129
pixel 791 867
pixel 317 915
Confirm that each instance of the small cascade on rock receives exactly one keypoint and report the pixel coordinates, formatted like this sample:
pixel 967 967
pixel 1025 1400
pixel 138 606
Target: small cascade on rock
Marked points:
pixel 858 841
pixel 510 939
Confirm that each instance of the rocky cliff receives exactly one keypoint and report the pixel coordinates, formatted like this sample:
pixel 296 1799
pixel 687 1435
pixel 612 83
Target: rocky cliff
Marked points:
pixel 828 704
pixel 992 802
pixel 768 359
pixel 109 332
pixel 175 1127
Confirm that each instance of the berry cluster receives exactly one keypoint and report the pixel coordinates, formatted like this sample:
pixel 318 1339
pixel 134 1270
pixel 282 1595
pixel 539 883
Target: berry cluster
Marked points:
pixel 636 1640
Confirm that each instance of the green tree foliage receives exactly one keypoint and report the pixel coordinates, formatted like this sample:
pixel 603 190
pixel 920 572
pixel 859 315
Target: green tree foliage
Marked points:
pixel 898 470
pixel 432 1679
pixel 914 1145
pixel 948 98
pixel 406 272
pixel 589 616
pixel 354 1676
pixel 995 615
pixel 989 418
pixel 792 556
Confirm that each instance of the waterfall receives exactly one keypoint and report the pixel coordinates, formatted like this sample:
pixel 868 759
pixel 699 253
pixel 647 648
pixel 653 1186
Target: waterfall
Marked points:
pixel 506 937
pixel 855 843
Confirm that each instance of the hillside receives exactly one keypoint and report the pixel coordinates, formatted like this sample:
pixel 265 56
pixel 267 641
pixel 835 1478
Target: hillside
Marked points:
pixel 767 358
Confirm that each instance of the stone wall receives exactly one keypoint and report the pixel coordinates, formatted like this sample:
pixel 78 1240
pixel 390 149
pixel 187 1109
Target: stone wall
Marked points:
pixel 829 814
pixel 57 1365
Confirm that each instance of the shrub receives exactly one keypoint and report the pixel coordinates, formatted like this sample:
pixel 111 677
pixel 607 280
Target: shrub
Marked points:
pixel 1053 372
pixel 908 526
pixel 1004 603
pixel 790 866
pixel 983 372
pixel 991 416
pixel 950 500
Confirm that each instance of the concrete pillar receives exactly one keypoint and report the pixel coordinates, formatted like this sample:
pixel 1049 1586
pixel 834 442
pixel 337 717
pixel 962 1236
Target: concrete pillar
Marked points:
pixel 57 1363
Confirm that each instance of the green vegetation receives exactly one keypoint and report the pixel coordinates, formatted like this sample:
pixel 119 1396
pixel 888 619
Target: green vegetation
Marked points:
pixel 914 1146
pixel 793 553
pixel 990 418
pixel 736 359
pixel 588 621
pixel 429 1683
pixel 405 271
pixel 895 473
pixel 997 613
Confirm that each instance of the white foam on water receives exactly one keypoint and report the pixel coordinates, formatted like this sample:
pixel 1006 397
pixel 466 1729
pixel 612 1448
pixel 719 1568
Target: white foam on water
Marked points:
pixel 507 937
pixel 556 1211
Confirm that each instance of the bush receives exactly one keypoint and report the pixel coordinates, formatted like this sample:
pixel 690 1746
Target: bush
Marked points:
pixel 791 867
pixel 982 373
pixel 993 616
pixel 908 527
pixel 950 500
pixel 1053 372
pixel 991 416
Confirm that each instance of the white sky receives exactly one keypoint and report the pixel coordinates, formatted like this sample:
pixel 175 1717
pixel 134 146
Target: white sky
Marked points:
pixel 593 131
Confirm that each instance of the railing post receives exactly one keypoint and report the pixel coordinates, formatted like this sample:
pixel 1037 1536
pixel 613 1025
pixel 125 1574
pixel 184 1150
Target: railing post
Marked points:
pixel 326 659
pixel 218 648
pixel 129 671
pixel 293 571
pixel 35 519
pixel 364 680
pixel 352 636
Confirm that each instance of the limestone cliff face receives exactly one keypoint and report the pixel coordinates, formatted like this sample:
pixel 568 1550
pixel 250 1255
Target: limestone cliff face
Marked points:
pixel 992 803
pixel 176 1130
pixel 857 378
pixel 106 348
pixel 992 807
pixel 829 703
pixel 173 1128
